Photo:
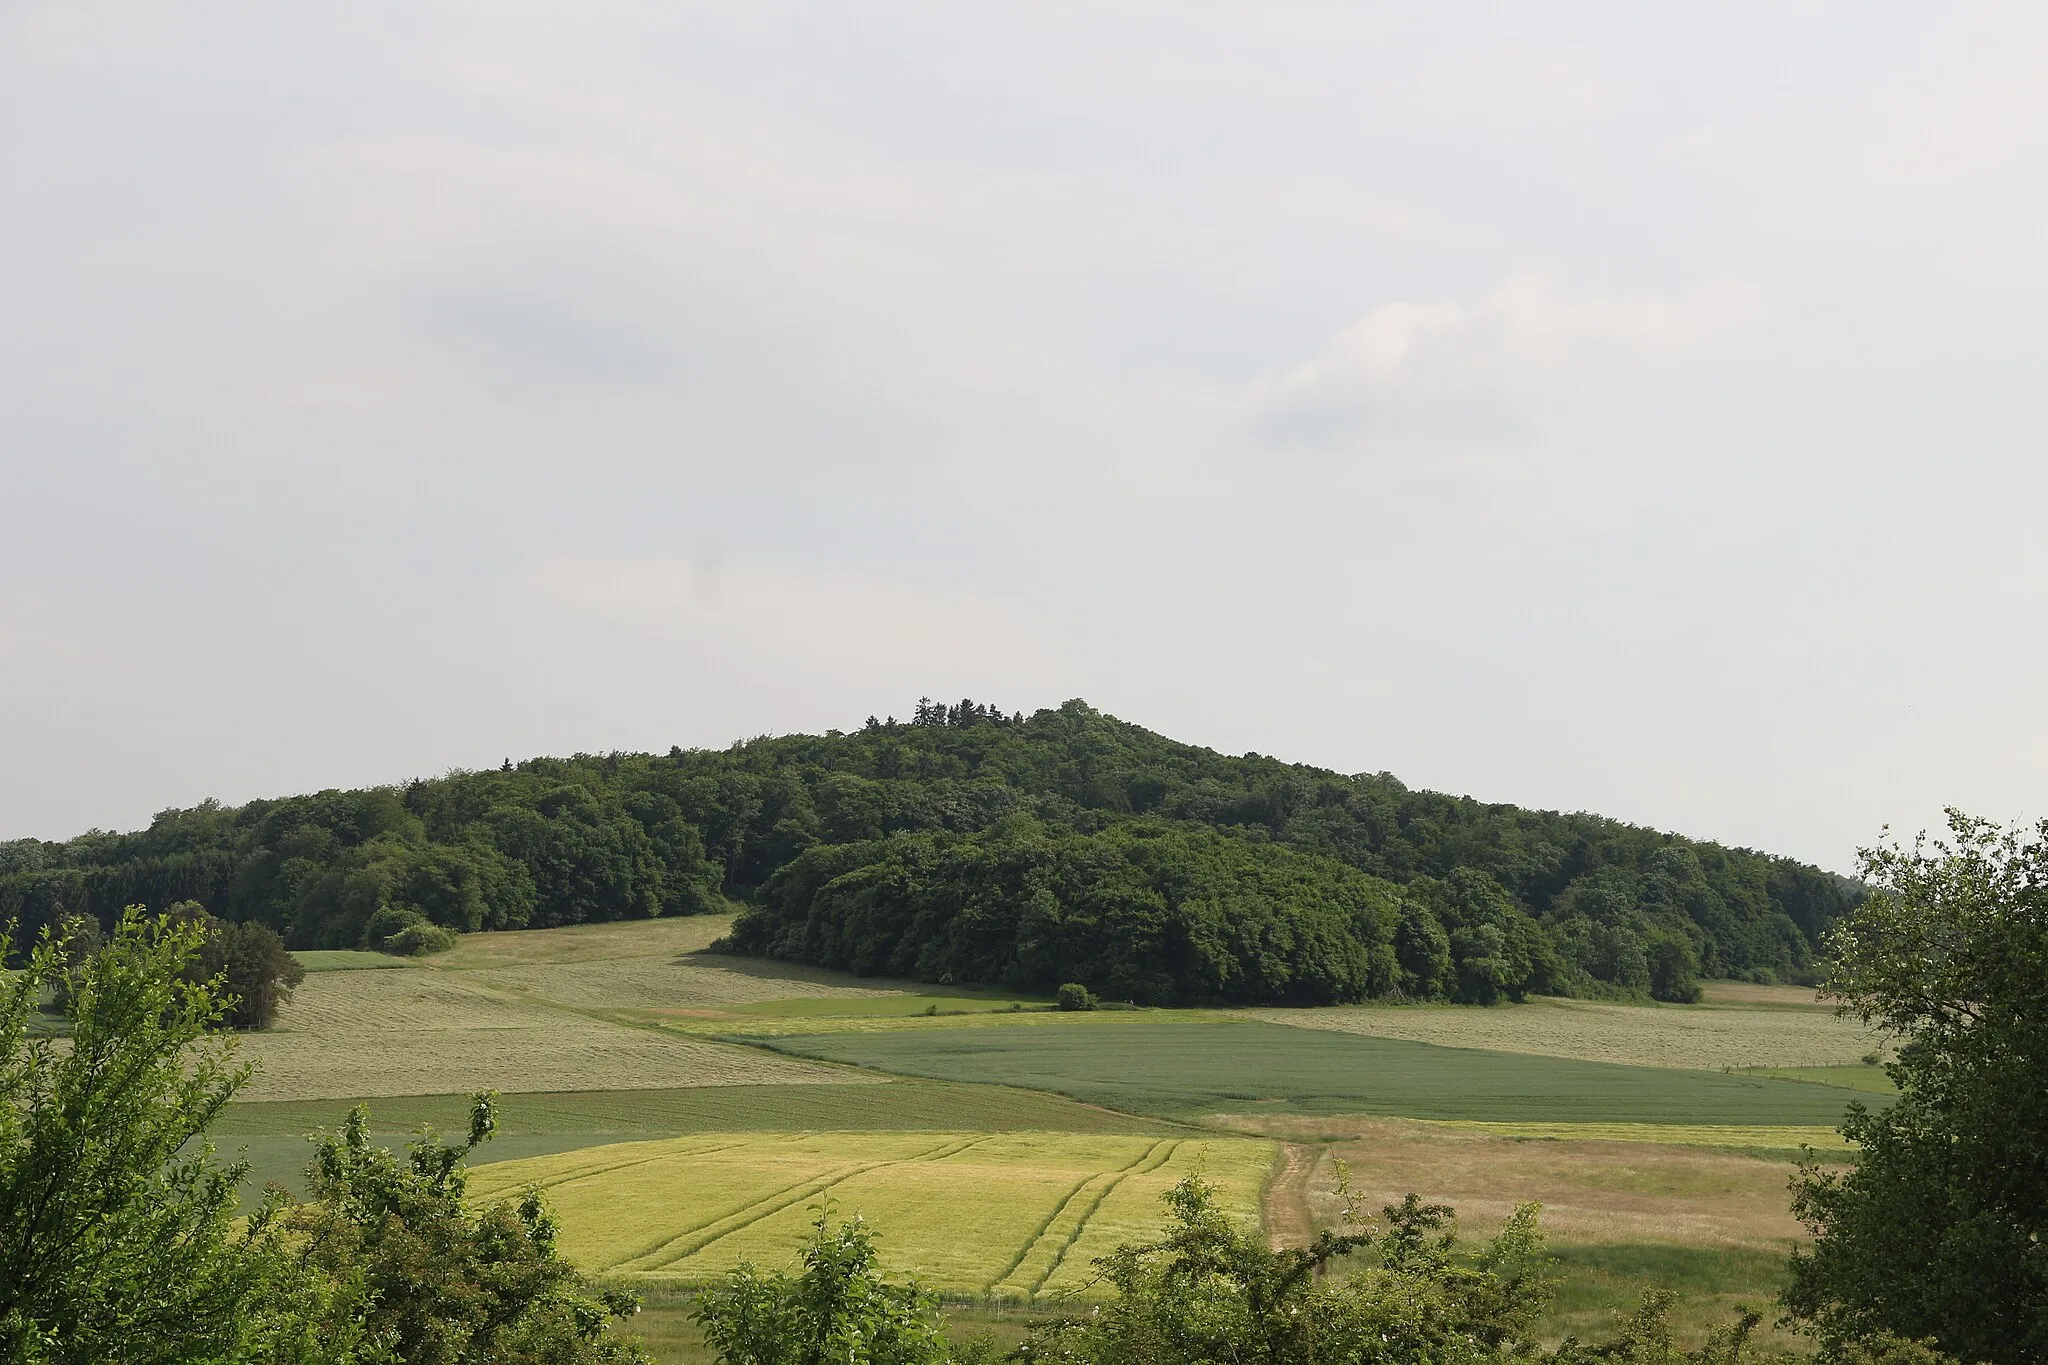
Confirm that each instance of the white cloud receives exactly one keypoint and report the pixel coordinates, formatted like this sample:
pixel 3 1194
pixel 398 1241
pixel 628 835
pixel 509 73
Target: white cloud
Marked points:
pixel 1442 380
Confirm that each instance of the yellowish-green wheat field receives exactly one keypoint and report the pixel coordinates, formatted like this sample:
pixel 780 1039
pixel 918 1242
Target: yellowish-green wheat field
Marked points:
pixel 1016 1215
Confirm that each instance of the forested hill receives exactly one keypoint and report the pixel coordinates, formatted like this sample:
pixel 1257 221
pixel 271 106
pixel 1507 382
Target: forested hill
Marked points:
pixel 968 845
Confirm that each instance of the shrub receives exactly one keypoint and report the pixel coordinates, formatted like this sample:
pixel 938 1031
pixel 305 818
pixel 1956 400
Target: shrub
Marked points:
pixel 838 1312
pixel 430 1277
pixel 418 940
pixel 119 1238
pixel 249 961
pixel 1075 996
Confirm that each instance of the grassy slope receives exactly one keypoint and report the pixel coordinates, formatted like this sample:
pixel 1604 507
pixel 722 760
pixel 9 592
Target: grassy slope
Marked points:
pixel 536 1010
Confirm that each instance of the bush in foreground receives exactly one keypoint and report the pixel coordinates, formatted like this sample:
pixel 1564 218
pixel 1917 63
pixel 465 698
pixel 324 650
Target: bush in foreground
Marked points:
pixel 118 1235
pixel 1212 1293
pixel 1940 1230
pixel 119 1239
pixel 431 1281
pixel 839 1311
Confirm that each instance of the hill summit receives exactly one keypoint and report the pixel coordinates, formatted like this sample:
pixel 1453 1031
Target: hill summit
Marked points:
pixel 970 845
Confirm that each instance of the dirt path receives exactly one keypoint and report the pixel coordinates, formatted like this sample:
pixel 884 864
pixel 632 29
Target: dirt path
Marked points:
pixel 1290 1222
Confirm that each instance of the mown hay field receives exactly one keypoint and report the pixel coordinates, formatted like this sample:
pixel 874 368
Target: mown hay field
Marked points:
pixel 430 1031
pixel 1694 1037
pixel 532 1010
pixel 1009 1215
pixel 1191 1068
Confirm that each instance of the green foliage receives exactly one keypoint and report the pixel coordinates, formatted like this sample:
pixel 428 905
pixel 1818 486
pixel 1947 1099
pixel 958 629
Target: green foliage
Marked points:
pixel 839 1311
pixel 1143 911
pixel 1212 1291
pixel 1068 821
pixel 405 932
pixel 431 1281
pixel 117 1233
pixel 1940 1231
pixel 254 972
pixel 418 940
pixel 1074 996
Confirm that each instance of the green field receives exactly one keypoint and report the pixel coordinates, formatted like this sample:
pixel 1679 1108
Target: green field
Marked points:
pixel 1008 1215
pixel 271 1137
pixel 1869 1079
pixel 1188 1068
pixel 1000 1145
pixel 349 960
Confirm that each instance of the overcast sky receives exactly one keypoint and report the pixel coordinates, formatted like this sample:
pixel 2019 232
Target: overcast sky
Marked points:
pixel 1603 410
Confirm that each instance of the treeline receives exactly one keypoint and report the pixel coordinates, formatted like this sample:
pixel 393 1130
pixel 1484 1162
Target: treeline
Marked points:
pixel 986 846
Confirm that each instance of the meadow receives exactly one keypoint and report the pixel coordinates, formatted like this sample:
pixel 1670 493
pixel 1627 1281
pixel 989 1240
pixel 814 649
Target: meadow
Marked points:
pixel 684 1110
pixel 528 1011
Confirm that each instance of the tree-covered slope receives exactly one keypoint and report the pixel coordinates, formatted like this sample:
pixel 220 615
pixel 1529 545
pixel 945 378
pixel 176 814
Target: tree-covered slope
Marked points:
pixel 984 847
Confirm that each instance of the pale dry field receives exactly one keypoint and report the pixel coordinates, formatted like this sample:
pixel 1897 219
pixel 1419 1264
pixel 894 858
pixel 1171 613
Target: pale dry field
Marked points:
pixel 1749 993
pixel 532 1010
pixel 1696 1037
pixel 1592 1192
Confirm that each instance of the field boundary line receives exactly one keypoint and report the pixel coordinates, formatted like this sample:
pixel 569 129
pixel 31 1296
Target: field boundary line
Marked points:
pixel 804 1189
pixel 1138 1167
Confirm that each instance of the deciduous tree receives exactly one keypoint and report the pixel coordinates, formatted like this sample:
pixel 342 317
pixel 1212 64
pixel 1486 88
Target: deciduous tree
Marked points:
pixel 1940 1230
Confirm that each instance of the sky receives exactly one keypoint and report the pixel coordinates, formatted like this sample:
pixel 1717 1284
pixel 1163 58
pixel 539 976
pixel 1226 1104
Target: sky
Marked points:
pixel 1635 409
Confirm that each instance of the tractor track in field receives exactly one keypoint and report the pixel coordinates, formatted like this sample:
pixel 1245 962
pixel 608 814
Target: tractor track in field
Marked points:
pixel 768 1206
pixel 1290 1222
pixel 591 1173
pixel 1143 1165
pixel 1039 1234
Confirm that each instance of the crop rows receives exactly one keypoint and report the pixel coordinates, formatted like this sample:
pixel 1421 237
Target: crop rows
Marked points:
pixel 1015 1214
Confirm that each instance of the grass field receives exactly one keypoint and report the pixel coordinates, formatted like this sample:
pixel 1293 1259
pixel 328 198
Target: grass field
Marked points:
pixel 272 1136
pixel 1189 1068
pixel 350 960
pixel 1732 1036
pixel 1870 1079
pixel 534 1010
pixel 1010 1215
pixel 669 1149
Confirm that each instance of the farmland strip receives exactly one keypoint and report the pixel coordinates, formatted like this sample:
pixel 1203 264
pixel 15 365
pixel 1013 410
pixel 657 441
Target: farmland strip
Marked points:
pixel 1031 1242
pixel 1044 1229
pixel 803 1187
pixel 1136 1168
pixel 590 1172
pixel 802 1190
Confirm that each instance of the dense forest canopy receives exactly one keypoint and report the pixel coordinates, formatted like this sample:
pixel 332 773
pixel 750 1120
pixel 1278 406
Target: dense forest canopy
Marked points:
pixel 974 846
